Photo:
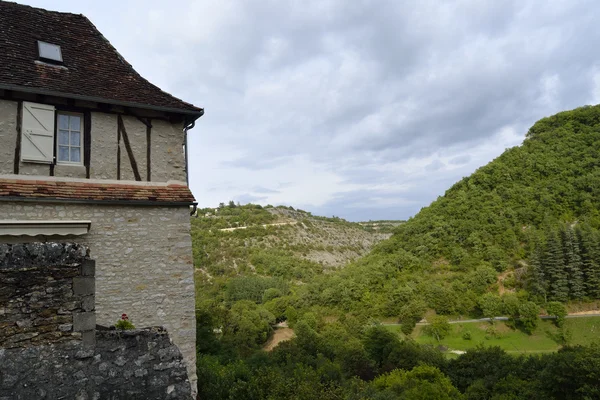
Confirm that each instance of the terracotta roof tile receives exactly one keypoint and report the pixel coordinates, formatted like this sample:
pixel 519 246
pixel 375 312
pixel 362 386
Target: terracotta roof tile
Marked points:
pixel 32 189
pixel 93 67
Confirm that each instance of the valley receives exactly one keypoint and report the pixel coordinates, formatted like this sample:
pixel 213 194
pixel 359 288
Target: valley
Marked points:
pixel 518 238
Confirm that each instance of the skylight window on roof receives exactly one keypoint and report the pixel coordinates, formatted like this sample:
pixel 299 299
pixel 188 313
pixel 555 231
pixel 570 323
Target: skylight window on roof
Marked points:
pixel 49 52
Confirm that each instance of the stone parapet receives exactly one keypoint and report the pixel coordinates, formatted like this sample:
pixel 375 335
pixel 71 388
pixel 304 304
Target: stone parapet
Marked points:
pixel 47 293
pixel 138 364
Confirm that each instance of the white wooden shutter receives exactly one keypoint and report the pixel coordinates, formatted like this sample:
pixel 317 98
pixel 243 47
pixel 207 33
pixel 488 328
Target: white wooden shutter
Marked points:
pixel 37 139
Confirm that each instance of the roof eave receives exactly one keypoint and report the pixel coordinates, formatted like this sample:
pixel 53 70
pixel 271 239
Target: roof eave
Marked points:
pixel 195 114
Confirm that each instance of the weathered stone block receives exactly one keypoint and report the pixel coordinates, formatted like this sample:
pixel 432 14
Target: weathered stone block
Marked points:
pixel 88 338
pixel 84 286
pixel 84 321
pixel 88 268
pixel 88 303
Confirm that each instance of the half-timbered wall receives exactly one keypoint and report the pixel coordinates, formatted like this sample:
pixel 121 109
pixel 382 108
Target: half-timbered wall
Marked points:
pixel 145 149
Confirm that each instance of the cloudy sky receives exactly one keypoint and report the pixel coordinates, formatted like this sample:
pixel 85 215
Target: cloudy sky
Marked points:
pixel 360 109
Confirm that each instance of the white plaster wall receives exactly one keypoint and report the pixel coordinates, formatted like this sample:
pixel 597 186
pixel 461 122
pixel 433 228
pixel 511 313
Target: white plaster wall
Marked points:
pixel 136 132
pixel 8 135
pixel 168 160
pixel 69 171
pixel 144 264
pixel 103 158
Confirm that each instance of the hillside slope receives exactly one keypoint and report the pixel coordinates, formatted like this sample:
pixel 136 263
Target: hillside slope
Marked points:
pixel 526 225
pixel 553 176
pixel 232 240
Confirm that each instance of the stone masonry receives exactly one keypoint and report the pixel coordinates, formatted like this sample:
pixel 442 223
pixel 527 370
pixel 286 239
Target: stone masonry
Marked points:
pixel 46 294
pixel 140 364
pixel 144 265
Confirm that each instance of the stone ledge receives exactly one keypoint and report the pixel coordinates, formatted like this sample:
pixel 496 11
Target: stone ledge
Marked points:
pixel 27 255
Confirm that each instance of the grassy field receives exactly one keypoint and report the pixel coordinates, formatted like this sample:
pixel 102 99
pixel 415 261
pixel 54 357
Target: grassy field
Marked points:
pixel 584 331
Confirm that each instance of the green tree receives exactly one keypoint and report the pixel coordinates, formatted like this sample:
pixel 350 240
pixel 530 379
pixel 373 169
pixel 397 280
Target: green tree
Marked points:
pixel 572 261
pixel 557 310
pixel 247 326
pixel 410 314
pixel 590 254
pixel 491 306
pixel 555 267
pixel 439 327
pixel 529 316
pixel 422 382
pixel 538 284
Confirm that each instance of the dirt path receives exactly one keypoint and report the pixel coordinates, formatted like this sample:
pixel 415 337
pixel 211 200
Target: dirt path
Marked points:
pixel 280 335
pixel 588 312
pixel 263 225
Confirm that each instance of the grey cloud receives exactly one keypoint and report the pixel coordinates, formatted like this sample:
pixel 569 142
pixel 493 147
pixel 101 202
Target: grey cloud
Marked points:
pixel 259 189
pixel 460 160
pixel 355 86
pixel 249 198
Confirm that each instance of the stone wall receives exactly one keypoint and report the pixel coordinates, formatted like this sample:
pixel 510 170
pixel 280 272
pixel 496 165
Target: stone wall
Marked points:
pixel 140 364
pixel 8 135
pixel 168 159
pixel 103 160
pixel 144 264
pixel 46 294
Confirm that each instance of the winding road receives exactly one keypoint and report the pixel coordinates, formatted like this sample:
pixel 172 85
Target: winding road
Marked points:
pixel 459 321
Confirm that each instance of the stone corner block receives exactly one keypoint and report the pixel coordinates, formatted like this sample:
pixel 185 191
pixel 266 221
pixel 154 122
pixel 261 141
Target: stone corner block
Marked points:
pixel 83 286
pixel 88 303
pixel 88 268
pixel 84 321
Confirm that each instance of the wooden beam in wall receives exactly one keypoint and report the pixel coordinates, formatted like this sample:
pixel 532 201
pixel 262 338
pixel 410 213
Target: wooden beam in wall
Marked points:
pixel 119 148
pixel 87 142
pixel 149 150
pixel 18 144
pixel 134 166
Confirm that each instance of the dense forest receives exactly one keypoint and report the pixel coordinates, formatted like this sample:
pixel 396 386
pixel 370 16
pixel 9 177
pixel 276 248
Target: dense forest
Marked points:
pixel 518 238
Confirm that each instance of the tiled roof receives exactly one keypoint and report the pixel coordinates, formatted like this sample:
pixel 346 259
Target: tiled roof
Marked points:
pixel 100 192
pixel 92 66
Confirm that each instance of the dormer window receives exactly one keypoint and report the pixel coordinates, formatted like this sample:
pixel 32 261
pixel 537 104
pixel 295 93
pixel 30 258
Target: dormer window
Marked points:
pixel 49 52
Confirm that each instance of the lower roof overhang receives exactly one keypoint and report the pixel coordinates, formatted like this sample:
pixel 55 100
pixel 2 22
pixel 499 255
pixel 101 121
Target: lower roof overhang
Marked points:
pixel 43 228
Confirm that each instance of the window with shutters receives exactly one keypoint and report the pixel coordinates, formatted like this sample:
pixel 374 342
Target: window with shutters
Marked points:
pixel 37 139
pixel 69 148
pixel 49 136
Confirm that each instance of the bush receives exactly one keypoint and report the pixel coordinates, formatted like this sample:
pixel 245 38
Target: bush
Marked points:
pixel 439 327
pixel 124 324
pixel 466 336
pixel 557 310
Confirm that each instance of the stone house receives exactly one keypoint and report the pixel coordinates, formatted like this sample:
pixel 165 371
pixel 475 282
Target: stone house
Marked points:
pixel 92 153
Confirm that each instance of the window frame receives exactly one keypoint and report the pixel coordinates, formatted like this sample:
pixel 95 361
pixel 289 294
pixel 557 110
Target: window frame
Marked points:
pixel 57 114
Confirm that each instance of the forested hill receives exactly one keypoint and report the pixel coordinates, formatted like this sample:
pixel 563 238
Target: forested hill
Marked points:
pixel 490 216
pixel 526 225
pixel 518 238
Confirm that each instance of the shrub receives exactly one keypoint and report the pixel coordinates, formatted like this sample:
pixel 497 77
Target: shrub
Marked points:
pixel 124 324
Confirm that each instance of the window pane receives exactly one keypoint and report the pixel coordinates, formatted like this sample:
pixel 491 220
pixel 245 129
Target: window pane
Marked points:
pixel 75 136
pixel 75 123
pixel 63 137
pixel 63 121
pixel 63 153
pixel 75 154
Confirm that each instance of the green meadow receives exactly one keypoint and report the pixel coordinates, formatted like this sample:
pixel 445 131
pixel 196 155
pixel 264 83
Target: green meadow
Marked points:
pixel 463 336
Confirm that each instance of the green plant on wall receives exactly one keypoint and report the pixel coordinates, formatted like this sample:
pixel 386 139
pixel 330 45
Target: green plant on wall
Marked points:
pixel 124 324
